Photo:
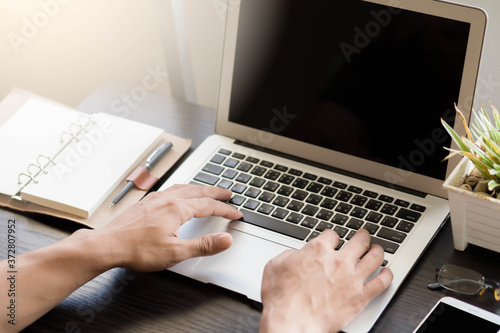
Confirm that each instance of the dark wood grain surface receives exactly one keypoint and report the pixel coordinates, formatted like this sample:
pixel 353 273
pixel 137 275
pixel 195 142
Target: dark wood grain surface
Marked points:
pixel 125 301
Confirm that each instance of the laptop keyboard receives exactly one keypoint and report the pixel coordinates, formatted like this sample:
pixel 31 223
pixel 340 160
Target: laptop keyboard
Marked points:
pixel 301 205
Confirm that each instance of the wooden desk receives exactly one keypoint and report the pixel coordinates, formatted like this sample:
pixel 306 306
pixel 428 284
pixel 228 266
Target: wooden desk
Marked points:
pixel 125 301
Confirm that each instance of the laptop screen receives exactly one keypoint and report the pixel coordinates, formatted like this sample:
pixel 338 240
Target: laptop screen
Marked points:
pixel 355 77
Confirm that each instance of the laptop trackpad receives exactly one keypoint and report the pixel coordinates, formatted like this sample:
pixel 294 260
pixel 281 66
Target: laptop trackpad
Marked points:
pixel 240 267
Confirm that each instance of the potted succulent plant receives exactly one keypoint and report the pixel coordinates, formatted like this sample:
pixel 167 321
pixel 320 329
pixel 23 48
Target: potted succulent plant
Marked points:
pixel 474 186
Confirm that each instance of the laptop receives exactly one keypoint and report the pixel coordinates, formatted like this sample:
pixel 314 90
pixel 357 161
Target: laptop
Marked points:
pixel 329 117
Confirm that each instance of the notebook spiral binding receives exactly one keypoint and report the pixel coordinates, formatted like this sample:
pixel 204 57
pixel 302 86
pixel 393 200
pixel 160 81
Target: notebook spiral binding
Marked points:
pixel 43 161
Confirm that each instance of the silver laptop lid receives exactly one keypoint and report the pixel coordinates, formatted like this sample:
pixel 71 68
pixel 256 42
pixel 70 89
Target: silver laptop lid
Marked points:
pixel 356 85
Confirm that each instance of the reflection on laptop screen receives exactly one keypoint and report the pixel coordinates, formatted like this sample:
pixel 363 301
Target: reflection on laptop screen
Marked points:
pixel 351 76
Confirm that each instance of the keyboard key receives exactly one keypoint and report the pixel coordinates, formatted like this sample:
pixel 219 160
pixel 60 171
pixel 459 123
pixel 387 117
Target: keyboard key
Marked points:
pixel 252 159
pixel 341 231
pixel 386 198
pixel 244 166
pixel 374 217
pixel 391 234
pixel 294 217
pixel 239 188
pixel 300 183
pixel 355 223
pixel 310 176
pixel 328 203
pixel 314 187
pixel 265 209
pixel 344 196
pixel 237 200
pixel 258 171
pixel 299 195
pixel 225 183
pixel 310 210
pixel 408 215
pixel 252 192
pixel 325 214
pixel 281 168
pixel 389 209
pixel 323 226
pixel 340 185
pixel 313 235
pixel 388 247
pixel 206 178
pixel 231 162
pixel 271 174
pixel 405 226
pixel 355 189
pixel 295 205
pixel 285 190
pixel 374 204
pixel 238 156
pixel 275 225
pixel 359 200
pixel 314 199
pixel 370 194
pixel 271 186
pixel 217 159
pixel 340 219
pixel 389 221
pixel 329 191
pixel 280 213
pixel 401 203
pixel 281 201
pixel 267 164
pixel 371 227
pixel 266 197
pixel 309 222
pixel 343 208
pixel 359 212
pixel 295 172
pixel 243 178
pixel 251 204
pixel 224 151
pixel 212 168
pixel 418 208
pixel 324 181
pixel 229 173
pixel 286 179
pixel 257 182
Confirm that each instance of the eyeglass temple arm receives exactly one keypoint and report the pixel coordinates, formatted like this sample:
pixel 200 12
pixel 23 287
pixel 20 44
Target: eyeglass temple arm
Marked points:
pixel 438 285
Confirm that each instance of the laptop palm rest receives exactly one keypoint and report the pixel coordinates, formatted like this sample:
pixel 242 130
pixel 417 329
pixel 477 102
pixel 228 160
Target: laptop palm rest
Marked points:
pixel 240 267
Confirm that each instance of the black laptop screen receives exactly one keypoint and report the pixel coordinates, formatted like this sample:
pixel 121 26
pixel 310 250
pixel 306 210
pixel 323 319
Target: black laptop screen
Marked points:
pixel 351 76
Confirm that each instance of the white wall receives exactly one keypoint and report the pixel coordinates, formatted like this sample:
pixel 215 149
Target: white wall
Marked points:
pixel 488 86
pixel 79 44
pixel 64 49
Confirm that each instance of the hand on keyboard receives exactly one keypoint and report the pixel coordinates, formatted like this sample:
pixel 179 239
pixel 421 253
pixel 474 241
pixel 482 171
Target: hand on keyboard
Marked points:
pixel 318 289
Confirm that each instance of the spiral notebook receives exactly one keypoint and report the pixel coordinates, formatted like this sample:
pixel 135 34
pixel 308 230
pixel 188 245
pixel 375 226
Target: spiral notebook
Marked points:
pixel 64 159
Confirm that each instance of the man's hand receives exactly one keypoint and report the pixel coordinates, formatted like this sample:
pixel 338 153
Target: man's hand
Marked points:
pixel 144 238
pixel 318 289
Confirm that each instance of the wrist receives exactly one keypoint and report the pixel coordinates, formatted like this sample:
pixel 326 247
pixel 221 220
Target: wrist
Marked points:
pixel 283 319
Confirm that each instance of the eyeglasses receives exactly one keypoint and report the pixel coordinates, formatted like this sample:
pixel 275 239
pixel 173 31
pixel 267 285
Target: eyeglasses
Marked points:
pixel 463 280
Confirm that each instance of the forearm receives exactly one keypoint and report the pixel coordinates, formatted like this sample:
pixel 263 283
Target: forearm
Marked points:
pixel 46 276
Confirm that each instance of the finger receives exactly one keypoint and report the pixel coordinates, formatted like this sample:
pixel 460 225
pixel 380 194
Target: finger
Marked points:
pixel 357 245
pixel 192 191
pixel 205 245
pixel 325 242
pixel 371 261
pixel 378 284
pixel 203 207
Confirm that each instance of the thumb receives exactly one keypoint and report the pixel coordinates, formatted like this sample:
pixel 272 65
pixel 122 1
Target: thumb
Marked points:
pixel 207 245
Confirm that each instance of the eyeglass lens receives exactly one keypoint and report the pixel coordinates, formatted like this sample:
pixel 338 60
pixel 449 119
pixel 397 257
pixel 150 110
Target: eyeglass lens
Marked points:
pixel 460 279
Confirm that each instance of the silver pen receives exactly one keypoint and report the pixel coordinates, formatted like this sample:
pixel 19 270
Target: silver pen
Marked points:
pixel 150 162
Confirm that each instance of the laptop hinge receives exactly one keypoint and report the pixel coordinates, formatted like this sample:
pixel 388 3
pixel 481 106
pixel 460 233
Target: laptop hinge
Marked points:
pixel 333 169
